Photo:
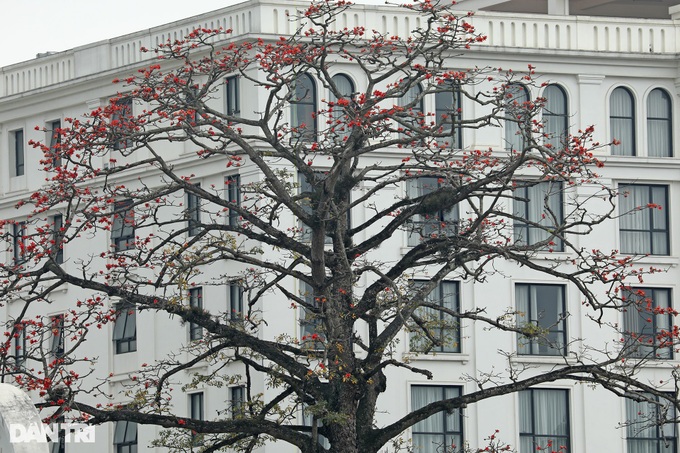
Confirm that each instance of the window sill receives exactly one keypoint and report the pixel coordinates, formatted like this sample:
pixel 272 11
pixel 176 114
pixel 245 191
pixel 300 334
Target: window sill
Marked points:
pixel 664 260
pixel 544 359
pixel 436 357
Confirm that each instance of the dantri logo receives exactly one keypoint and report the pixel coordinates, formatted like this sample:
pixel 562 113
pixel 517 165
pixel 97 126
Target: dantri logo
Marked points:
pixel 38 432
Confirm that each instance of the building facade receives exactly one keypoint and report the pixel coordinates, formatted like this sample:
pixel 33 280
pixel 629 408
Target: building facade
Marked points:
pixel 619 74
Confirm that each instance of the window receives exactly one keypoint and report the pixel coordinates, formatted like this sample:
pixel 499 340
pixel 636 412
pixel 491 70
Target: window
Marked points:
pixel 19 344
pixel 441 432
pixel 556 117
pixel 233 193
pixel 196 406
pixel 125 437
pixel 19 242
pixel 125 328
pixel 541 314
pixel 196 303
pixel 193 213
pixel 123 229
pixel 18 156
pixel 310 318
pixel 644 219
pixel 644 320
pixel 59 446
pixel 236 300
pixel 345 89
pixel 237 398
pixel 448 110
pixel 516 97
pixel 622 120
pixel 540 205
pixel 54 138
pixel 441 326
pixel 57 346
pixel 439 223
pixel 308 203
pixel 308 420
pixel 192 104
pixel 659 124
pixel 119 122
pixel 544 420
pixel 650 427
pixel 58 238
pixel 414 106
pixel 303 108
pixel 232 95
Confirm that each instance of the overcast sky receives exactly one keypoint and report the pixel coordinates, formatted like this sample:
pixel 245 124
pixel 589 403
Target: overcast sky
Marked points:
pixel 29 27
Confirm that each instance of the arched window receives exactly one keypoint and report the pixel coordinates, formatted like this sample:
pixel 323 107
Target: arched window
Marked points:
pixel 622 120
pixel 413 105
pixel 516 95
pixel 303 108
pixel 447 105
pixel 556 116
pixel 659 124
pixel 345 88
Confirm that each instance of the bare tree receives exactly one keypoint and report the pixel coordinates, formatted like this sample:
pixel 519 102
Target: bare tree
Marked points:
pixel 292 235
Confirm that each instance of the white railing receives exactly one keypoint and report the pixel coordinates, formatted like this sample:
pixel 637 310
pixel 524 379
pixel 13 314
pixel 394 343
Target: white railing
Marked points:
pixel 526 31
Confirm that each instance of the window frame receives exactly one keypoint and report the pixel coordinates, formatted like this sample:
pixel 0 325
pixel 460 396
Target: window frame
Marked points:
pixel 439 293
pixel 124 113
pixel 125 337
pixel 524 232
pixel 446 221
pixel 232 192
pixel 235 301
pixel 532 434
pixel 58 340
pixel 232 95
pixel 237 400
pixel 416 111
pixel 19 231
pixel 19 344
pixel 298 111
pixel 57 237
pixel 123 226
pixel 193 212
pixel 660 439
pixel 310 323
pixel 616 124
pixel 448 113
pixel 19 152
pixel 195 302
pixel 645 350
pixel 445 432
pixel 514 139
pixel 338 110
pixel 54 139
pixel 652 230
pixel 556 124
pixel 125 434
pixel 665 120
pixel 558 328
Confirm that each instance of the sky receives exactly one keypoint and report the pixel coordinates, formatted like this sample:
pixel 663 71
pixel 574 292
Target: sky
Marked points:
pixel 30 27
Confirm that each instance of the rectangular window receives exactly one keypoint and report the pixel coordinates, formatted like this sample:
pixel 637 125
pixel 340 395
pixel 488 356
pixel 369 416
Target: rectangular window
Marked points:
pixel 644 219
pixel 649 426
pixel 237 398
pixel 539 206
pixel 644 320
pixel 19 156
pixel 57 346
pixel 311 322
pixel 196 406
pixel 19 242
pixel 233 193
pixel 125 328
pixel 308 420
pixel 439 223
pixel 544 420
pixel 19 344
pixel 58 237
pixel 232 95
pixel 448 111
pixel 123 229
pixel 541 313
pixel 119 123
pixel 193 213
pixel 125 437
pixel 430 323
pixel 236 301
pixel 54 139
pixel 441 432
pixel 195 302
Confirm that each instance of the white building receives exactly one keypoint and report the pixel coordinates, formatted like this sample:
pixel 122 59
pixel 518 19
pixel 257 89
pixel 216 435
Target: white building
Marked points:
pixel 609 64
